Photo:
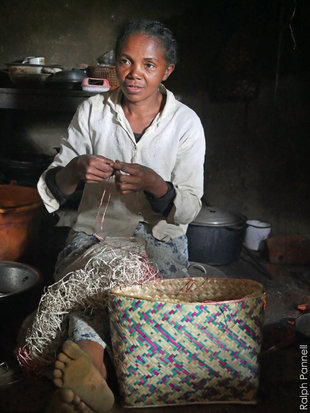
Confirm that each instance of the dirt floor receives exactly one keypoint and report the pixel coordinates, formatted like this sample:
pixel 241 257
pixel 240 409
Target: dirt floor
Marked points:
pixel 287 286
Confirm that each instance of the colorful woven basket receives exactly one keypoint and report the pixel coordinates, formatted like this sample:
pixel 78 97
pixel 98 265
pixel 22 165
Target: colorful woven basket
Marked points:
pixel 187 341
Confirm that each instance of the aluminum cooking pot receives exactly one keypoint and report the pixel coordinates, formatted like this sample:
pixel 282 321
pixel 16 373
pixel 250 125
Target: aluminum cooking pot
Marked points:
pixel 215 237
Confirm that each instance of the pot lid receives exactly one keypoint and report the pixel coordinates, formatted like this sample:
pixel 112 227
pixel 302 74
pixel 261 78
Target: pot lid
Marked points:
pixel 211 216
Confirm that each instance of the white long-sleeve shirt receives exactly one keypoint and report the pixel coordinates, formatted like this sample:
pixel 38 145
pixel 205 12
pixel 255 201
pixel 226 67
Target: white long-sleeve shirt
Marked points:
pixel 173 146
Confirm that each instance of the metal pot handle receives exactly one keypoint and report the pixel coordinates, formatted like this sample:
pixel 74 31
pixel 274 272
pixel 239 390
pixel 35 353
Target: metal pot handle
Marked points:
pixel 198 267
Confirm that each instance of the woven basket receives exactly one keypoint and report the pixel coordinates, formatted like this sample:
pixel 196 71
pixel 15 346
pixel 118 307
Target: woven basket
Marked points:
pixel 187 341
pixel 104 72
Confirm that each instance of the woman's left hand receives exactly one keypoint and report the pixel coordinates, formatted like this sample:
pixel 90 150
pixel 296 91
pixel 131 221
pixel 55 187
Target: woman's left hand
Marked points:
pixel 132 177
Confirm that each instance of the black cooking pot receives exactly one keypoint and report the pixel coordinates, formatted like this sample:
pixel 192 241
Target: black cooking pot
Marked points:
pixel 66 79
pixel 215 237
pixel 24 167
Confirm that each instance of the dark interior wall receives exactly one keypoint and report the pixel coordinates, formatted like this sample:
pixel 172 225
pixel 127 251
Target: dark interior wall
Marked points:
pixel 242 68
pixel 70 32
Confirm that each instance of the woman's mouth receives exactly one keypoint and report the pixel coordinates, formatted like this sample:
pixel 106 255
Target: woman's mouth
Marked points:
pixel 133 88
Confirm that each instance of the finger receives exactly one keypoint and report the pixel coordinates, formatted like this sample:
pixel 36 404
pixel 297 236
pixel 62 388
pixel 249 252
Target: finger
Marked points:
pixel 128 168
pixel 98 170
pixel 126 191
pixel 129 179
pixel 126 188
pixel 119 165
pixel 96 175
pixel 99 165
pixel 118 176
pixel 94 181
pixel 106 160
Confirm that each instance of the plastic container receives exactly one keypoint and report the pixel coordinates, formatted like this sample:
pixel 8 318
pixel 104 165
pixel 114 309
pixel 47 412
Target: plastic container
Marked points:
pixel 256 232
pixel 104 72
pixel 18 220
pixel 93 85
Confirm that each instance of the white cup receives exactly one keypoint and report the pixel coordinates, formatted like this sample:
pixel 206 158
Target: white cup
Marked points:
pixel 256 232
pixel 34 60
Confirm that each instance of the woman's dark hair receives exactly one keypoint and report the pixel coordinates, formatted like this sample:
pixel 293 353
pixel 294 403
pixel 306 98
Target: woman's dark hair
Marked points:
pixel 150 28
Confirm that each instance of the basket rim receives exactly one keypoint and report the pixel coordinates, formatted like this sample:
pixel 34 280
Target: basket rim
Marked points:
pixel 258 292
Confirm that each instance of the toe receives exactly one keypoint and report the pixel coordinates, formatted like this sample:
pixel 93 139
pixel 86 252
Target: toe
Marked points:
pixel 72 350
pixel 83 408
pixel 57 374
pixel 76 400
pixel 58 382
pixel 66 395
pixel 63 358
pixel 59 365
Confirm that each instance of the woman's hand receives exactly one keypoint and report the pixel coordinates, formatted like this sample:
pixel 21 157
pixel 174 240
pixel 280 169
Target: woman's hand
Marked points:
pixel 132 177
pixel 91 168
pixel 87 168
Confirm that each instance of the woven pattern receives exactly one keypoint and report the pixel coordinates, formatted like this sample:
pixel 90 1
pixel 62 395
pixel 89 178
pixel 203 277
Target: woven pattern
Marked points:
pixel 105 72
pixel 170 351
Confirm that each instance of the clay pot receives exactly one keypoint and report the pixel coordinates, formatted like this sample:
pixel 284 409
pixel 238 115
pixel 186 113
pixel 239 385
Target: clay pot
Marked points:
pixel 18 220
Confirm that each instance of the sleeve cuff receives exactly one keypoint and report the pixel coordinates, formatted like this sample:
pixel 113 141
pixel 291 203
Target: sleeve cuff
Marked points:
pixel 164 204
pixel 53 187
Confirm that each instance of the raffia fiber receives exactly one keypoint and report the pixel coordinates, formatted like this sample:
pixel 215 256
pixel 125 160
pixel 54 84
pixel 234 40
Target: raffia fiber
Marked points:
pixel 187 341
pixel 82 290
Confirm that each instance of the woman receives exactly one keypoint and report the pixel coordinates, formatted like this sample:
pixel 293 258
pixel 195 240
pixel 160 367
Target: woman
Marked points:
pixel 147 149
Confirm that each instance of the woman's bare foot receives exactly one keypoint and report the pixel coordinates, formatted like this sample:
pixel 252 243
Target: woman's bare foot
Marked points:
pixel 65 401
pixel 75 370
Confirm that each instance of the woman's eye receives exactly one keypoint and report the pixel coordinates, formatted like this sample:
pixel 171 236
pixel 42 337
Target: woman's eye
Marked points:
pixel 150 65
pixel 124 61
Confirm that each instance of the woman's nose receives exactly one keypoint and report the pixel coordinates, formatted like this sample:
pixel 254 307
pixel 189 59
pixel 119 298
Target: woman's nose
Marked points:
pixel 135 71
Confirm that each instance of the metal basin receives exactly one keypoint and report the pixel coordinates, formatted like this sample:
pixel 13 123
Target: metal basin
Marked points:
pixel 16 278
pixel 302 325
pixel 200 269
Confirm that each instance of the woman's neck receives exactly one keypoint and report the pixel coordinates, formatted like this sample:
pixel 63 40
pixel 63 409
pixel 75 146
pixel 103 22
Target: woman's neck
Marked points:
pixel 140 115
pixel 144 108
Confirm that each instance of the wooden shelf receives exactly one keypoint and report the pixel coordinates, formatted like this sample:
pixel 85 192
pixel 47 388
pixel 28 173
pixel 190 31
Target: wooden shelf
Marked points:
pixel 58 100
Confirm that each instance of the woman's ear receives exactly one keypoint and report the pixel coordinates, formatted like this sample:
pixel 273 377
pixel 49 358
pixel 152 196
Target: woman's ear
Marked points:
pixel 168 71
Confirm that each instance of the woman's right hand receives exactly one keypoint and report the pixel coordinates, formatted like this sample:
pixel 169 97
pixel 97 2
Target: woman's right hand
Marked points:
pixel 87 168
pixel 93 168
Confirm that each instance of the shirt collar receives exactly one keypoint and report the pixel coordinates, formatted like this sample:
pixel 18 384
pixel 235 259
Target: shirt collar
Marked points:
pixel 115 98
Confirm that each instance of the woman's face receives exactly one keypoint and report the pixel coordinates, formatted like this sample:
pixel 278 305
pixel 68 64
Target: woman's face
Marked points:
pixel 141 67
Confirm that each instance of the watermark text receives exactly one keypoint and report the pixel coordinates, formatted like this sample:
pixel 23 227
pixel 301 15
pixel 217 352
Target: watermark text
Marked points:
pixel 303 378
